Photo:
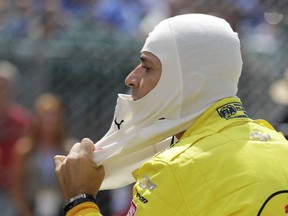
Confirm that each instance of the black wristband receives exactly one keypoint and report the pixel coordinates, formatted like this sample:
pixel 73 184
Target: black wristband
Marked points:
pixel 78 200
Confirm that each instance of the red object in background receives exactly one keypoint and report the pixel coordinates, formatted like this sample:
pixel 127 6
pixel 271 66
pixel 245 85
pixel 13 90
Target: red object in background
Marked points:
pixel 12 127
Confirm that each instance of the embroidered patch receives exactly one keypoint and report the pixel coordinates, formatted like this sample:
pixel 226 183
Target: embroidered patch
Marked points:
pixel 232 110
pixel 259 135
pixel 141 198
pixel 132 210
pixel 146 182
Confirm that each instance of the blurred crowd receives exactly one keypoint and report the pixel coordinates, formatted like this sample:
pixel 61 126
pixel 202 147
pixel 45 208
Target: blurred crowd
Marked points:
pixel 28 142
pixel 53 18
pixel 29 139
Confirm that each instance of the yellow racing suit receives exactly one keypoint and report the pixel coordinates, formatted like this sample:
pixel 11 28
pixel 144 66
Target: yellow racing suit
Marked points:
pixel 224 164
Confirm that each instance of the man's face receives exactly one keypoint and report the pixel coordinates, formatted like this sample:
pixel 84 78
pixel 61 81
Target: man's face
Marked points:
pixel 145 76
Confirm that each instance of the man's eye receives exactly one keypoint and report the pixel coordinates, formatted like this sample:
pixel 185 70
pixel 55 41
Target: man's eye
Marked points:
pixel 146 68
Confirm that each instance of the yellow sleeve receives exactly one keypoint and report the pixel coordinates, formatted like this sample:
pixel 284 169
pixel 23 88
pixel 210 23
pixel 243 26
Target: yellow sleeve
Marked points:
pixel 85 209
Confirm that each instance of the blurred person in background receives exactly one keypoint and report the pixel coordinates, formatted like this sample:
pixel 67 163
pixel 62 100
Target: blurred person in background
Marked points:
pixel 78 8
pixel 45 19
pixel 279 94
pixel 117 14
pixel 34 184
pixel 120 200
pixel 14 120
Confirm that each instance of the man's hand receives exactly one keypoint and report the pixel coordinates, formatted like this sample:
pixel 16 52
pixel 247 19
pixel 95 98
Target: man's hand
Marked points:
pixel 76 173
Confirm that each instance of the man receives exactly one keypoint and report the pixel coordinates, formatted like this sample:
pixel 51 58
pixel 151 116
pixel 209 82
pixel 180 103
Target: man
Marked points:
pixel 14 120
pixel 224 163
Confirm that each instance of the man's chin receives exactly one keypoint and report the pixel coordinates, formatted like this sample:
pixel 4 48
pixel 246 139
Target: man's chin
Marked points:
pixel 134 97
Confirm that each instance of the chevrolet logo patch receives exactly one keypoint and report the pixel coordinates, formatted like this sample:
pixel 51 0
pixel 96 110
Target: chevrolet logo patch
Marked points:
pixel 146 183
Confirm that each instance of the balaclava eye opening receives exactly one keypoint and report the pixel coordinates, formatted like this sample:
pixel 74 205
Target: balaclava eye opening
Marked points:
pixel 201 64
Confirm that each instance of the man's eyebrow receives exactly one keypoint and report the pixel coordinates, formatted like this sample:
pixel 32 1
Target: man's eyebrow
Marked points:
pixel 145 59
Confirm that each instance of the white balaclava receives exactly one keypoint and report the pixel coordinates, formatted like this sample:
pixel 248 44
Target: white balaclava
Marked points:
pixel 201 64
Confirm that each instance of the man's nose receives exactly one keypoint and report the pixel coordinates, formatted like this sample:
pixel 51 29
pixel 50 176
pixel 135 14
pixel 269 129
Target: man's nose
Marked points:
pixel 133 79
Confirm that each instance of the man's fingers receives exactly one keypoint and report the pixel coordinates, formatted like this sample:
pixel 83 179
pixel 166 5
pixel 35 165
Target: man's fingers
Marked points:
pixel 101 171
pixel 58 160
pixel 76 166
pixel 75 149
pixel 86 147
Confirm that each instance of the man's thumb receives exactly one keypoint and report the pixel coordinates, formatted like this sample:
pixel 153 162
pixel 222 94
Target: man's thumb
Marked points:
pixel 86 146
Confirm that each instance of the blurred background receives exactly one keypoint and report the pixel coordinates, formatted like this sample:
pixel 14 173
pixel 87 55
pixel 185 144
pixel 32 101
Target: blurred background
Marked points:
pixel 80 51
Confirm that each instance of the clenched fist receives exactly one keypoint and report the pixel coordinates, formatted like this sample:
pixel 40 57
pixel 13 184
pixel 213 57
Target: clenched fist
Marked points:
pixel 77 173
